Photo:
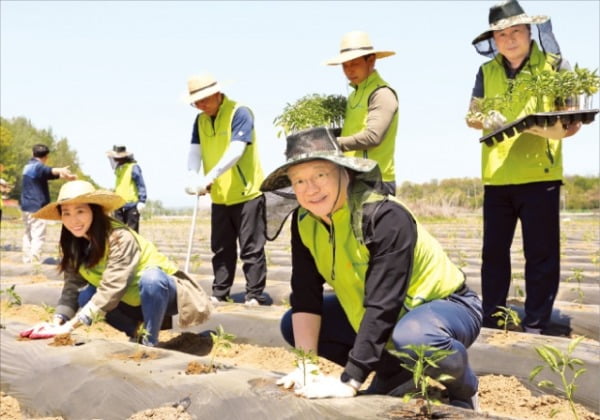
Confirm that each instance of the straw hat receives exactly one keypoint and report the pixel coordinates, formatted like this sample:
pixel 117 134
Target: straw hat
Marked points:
pixel 313 144
pixel 119 152
pixel 80 192
pixel 506 14
pixel 356 44
pixel 200 87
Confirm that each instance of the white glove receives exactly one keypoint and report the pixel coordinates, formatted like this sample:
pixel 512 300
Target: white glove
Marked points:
pixel 197 185
pixel 59 319
pixel 300 376
pixel 493 120
pixel 140 206
pixel 327 387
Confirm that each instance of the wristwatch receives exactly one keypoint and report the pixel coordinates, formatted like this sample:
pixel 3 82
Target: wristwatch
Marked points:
pixel 346 379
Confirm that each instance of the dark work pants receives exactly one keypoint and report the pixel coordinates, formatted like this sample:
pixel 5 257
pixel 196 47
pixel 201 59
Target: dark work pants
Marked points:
pixel 536 205
pixel 449 324
pixel 244 222
pixel 130 216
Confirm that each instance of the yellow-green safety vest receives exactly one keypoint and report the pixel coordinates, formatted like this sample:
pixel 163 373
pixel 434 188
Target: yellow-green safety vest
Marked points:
pixel 241 182
pixel 150 257
pixel 355 121
pixel 125 187
pixel 524 157
pixel 433 275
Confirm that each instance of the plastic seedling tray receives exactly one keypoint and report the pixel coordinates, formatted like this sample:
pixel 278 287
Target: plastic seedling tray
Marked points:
pixel 546 124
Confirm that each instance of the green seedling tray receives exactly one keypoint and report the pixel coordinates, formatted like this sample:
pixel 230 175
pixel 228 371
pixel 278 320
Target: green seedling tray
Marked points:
pixel 541 119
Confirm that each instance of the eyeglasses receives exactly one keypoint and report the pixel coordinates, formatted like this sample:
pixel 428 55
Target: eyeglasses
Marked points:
pixel 318 179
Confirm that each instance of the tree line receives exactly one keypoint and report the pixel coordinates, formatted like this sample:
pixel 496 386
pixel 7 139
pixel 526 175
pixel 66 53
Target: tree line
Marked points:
pixel 18 135
pixel 579 193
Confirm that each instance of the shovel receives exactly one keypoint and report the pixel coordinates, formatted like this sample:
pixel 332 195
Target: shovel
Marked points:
pixel 192 229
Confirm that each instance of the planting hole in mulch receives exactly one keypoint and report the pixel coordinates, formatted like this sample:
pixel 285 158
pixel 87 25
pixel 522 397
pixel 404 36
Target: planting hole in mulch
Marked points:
pixel 198 368
pixel 62 340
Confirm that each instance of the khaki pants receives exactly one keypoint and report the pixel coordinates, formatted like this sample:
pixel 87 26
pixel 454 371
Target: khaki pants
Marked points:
pixel 33 238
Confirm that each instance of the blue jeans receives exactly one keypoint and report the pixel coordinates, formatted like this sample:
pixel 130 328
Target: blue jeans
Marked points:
pixel 158 294
pixel 449 324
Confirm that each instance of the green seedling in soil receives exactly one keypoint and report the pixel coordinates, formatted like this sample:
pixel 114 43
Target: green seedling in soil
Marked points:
pixel 563 243
pixel 578 277
pixel 462 262
pixel 221 340
pixel 13 297
pixel 141 334
pixel 420 359
pixel 98 318
pixel 595 258
pixel 195 262
pixel 559 362
pixel 508 317
pixel 519 293
pixel 305 360
pixel 589 237
pixel 48 309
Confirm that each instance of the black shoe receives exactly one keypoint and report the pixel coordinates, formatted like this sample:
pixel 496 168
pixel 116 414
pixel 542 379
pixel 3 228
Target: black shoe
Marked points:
pixel 471 403
pixel 394 386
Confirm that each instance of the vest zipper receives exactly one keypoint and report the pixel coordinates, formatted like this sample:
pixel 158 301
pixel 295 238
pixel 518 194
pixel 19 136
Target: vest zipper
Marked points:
pixel 332 242
pixel 244 182
pixel 549 152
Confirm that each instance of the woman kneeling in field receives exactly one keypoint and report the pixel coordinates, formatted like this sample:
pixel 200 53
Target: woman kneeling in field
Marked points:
pixel 112 272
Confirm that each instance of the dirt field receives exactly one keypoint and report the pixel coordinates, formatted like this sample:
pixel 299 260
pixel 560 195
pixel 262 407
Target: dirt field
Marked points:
pixel 499 395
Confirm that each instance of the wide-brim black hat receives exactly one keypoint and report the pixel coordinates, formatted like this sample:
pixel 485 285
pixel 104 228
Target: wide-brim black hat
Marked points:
pixel 313 144
pixel 506 14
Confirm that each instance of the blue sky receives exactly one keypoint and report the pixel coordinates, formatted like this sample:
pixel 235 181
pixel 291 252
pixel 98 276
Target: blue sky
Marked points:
pixel 103 73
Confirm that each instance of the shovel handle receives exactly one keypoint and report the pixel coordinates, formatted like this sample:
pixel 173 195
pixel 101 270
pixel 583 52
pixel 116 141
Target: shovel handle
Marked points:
pixel 191 238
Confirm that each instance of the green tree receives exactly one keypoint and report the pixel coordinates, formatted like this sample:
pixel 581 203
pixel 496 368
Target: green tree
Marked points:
pixel 18 135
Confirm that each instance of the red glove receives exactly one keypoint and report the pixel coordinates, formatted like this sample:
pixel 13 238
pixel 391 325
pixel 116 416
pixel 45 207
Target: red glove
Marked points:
pixel 27 332
pixel 46 330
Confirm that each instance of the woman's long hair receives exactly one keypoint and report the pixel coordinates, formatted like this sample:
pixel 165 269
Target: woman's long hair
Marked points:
pixel 77 251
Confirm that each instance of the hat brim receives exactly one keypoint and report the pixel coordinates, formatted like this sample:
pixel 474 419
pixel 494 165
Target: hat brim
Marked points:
pixel 278 179
pixel 351 55
pixel 117 155
pixel 108 200
pixel 507 23
pixel 205 93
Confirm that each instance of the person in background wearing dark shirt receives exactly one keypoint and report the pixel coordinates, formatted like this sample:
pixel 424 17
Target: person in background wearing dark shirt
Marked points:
pixel 393 284
pixel 35 195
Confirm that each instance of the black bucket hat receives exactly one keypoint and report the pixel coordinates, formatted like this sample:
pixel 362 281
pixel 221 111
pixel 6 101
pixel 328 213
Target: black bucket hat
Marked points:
pixel 313 144
pixel 506 14
pixel 510 13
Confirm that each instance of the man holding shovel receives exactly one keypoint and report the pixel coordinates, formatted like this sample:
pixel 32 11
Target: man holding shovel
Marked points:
pixel 224 144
